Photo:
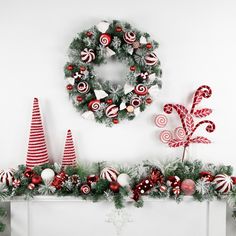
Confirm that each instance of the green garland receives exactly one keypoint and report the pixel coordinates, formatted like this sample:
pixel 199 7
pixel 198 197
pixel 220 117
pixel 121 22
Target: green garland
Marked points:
pixel 107 102
pixel 101 189
pixel 2 215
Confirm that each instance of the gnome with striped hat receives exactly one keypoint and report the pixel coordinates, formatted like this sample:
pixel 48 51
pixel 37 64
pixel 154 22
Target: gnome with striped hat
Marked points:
pixel 69 156
pixel 37 150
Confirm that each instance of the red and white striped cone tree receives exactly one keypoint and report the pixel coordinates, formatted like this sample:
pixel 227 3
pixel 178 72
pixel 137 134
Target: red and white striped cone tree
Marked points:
pixel 69 156
pixel 37 150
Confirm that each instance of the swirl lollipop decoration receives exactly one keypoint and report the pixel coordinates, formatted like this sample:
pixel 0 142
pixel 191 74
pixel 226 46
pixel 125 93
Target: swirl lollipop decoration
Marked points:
pixel 183 135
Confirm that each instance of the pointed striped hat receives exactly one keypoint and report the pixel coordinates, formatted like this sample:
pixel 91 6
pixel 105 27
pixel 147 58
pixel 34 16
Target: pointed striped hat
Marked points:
pixel 69 156
pixel 37 150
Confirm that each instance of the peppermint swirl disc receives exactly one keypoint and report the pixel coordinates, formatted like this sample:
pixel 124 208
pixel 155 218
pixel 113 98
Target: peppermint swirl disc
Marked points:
pixel 105 101
pixel 83 87
pixel 94 105
pixel 165 136
pixel 180 133
pixel 161 121
pixel 141 90
pixel 105 39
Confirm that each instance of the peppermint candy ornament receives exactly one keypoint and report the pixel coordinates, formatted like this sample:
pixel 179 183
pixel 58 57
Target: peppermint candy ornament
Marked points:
pixel 105 39
pixel 6 177
pixel 83 87
pixel 173 181
pixel 165 136
pixel 94 105
pixel 161 121
pixel 151 59
pixel 129 37
pixel 223 183
pixel 136 102
pixel 141 90
pixel 110 174
pixel 87 55
pixel 85 189
pixel 112 111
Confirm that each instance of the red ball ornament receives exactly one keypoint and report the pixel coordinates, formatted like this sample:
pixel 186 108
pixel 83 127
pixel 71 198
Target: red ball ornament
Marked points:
pixel 148 45
pixel 234 180
pixel 28 173
pixel 206 176
pixel 89 33
pixel 91 179
pixel 114 187
pixel 69 87
pixel 188 186
pixel 163 188
pixel 31 186
pixel 85 189
pixel 132 68
pixel 115 121
pixel 109 101
pixel 36 179
pixel 118 29
pixel 148 100
pixel 70 67
pixel 82 68
pixel 79 98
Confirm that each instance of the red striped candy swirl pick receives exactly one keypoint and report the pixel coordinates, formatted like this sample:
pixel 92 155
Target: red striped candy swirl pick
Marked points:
pixel 165 136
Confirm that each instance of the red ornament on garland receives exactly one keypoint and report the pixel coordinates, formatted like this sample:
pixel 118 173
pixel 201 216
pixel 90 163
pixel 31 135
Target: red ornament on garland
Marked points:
pixel 28 173
pixel 109 101
pixel 115 121
pixel 31 186
pixel 92 179
pixel 148 45
pixel 36 179
pixel 188 186
pixel 79 98
pixel 70 67
pixel 148 100
pixel 114 187
pixel 89 33
pixel 141 90
pixel 133 68
pixel 173 181
pixel 82 68
pixel 118 29
pixel 206 176
pixel 69 87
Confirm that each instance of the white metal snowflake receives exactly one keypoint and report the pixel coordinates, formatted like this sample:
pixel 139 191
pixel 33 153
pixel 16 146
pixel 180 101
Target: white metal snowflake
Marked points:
pixel 119 218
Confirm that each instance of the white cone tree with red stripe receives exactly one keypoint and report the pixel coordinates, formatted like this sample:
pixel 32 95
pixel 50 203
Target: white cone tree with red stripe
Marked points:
pixel 37 150
pixel 69 156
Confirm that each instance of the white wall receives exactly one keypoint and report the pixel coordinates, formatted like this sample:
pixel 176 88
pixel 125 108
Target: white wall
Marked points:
pixel 197 46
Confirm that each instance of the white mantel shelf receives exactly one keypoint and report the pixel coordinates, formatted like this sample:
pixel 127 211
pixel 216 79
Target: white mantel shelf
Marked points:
pixel 75 216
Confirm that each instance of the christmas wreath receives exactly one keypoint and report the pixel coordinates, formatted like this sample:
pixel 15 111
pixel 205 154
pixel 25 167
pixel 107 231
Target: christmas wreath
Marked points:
pixel 104 101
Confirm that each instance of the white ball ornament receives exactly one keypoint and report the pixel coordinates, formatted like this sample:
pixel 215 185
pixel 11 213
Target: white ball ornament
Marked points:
pixel 47 175
pixel 123 179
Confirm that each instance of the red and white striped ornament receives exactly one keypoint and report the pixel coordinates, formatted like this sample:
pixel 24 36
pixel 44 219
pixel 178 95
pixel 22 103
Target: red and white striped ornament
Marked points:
pixel 129 37
pixel 105 39
pixel 112 111
pixel 144 75
pixel 141 90
pixel 37 150
pixel 109 173
pixel 6 177
pixel 31 186
pixel 83 87
pixel 87 55
pixel 176 190
pixel 165 136
pixel 163 188
pixel 136 102
pixel 69 156
pixel 173 181
pixel 161 121
pixel 223 183
pixel 151 59
pixel 94 105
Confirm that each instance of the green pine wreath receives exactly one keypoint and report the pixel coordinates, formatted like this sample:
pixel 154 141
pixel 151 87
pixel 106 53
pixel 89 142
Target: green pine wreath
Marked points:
pixel 105 101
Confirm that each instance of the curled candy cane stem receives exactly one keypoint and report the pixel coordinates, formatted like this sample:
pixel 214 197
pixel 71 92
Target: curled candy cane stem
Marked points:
pixel 203 91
